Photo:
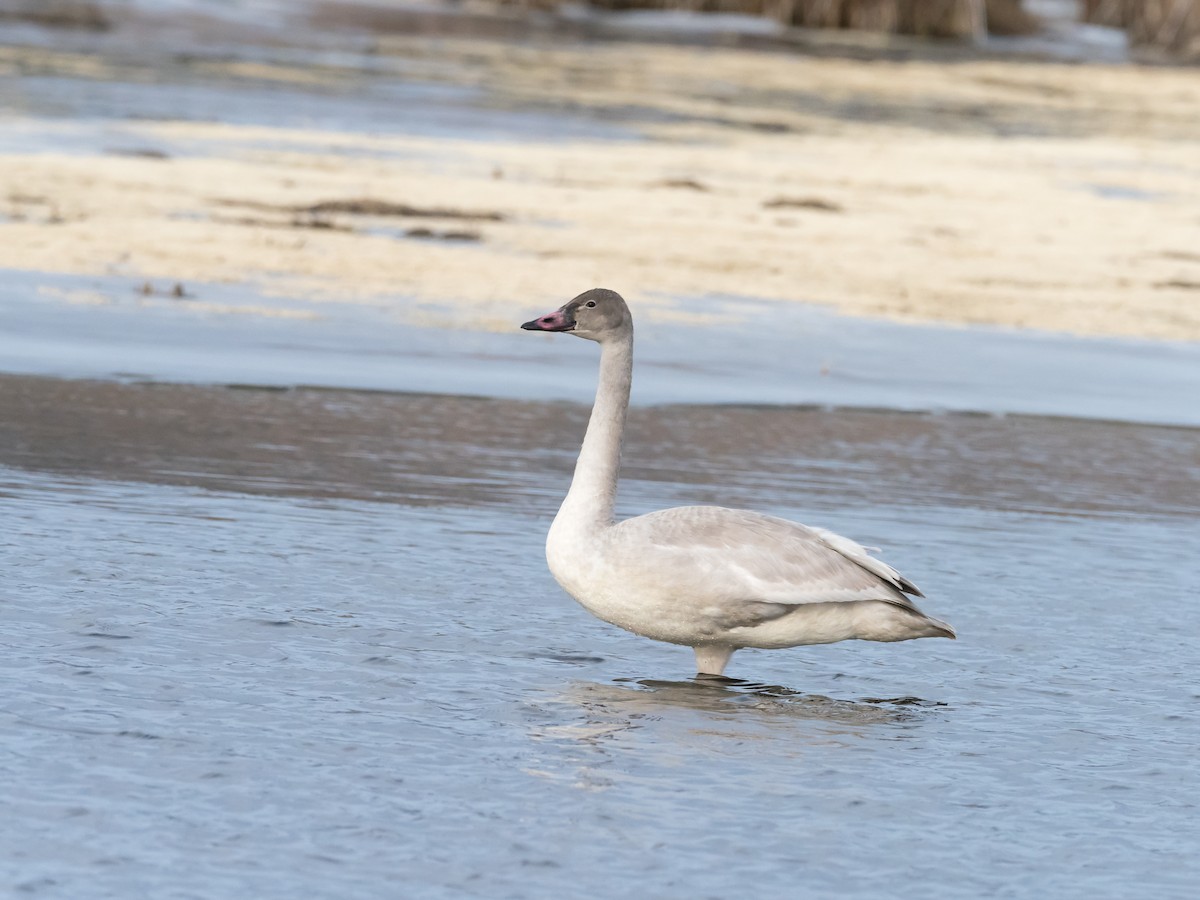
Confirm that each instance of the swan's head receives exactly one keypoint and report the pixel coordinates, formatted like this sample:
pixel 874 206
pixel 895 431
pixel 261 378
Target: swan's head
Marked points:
pixel 598 315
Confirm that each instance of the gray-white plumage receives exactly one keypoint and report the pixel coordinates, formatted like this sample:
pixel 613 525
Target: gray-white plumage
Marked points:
pixel 711 578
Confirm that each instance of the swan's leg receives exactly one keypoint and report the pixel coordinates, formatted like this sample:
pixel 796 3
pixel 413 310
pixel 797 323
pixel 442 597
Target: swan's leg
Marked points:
pixel 712 658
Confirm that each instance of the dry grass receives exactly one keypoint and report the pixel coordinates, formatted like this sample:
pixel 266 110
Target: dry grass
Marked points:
pixel 960 19
pixel 1170 27
pixel 56 13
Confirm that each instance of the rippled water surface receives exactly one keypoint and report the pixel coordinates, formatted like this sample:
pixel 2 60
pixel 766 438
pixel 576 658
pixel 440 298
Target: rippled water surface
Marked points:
pixel 297 643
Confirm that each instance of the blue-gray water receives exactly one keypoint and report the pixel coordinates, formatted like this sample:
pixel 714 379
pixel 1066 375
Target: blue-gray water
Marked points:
pixel 807 354
pixel 303 643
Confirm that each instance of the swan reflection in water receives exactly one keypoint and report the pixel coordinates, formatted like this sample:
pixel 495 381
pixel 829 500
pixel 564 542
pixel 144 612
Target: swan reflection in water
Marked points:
pixel 728 707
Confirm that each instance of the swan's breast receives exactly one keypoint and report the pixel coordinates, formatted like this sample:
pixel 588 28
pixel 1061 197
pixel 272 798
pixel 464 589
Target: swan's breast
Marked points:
pixel 592 572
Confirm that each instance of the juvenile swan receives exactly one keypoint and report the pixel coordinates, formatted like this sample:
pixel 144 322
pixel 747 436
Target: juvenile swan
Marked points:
pixel 710 578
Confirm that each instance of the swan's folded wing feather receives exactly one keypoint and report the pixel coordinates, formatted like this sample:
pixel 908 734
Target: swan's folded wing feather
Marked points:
pixel 860 556
pixel 739 555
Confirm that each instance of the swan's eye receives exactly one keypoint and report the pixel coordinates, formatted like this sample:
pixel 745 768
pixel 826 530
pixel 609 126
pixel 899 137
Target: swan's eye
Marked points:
pixel 591 304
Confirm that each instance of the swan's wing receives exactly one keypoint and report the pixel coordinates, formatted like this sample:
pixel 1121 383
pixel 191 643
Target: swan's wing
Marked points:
pixel 767 563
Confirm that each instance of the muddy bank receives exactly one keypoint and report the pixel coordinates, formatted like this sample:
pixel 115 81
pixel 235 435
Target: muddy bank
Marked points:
pixel 423 450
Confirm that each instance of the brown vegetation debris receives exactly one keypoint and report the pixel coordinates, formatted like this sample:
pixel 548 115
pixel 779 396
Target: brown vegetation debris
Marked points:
pixel 138 152
pixel 430 234
pixel 366 206
pixel 313 222
pixel 177 290
pixel 319 223
pixel 360 207
pixel 688 184
pixel 813 203
pixel 1184 255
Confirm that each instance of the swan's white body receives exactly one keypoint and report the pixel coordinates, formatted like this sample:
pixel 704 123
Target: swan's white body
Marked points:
pixel 711 578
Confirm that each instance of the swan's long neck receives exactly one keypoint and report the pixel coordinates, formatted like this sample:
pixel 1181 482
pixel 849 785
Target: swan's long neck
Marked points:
pixel 591 500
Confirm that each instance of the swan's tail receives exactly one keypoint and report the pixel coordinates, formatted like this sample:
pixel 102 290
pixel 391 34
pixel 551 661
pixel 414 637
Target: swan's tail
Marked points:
pixel 938 628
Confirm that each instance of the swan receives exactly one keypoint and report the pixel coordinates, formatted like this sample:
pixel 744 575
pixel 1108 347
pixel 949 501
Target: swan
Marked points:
pixel 706 577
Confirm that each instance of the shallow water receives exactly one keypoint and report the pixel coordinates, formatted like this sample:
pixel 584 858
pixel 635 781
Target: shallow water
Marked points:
pixel 700 350
pixel 303 643
pixel 390 107
pixel 93 91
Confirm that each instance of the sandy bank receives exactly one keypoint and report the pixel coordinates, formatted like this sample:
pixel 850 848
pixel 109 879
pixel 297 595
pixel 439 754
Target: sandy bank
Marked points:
pixel 1021 194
